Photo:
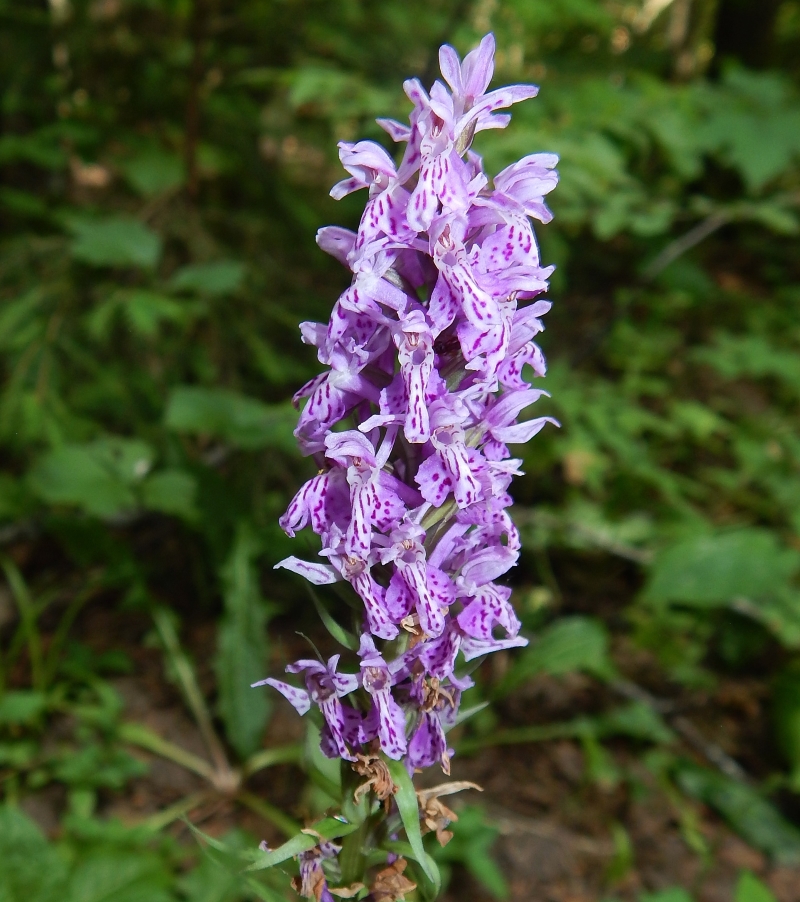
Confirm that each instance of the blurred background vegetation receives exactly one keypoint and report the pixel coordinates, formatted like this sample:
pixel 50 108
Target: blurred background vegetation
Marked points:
pixel 164 166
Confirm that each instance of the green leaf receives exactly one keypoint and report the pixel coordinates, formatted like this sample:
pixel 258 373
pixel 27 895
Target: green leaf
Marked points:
pixel 753 817
pixel 114 241
pixel 786 715
pixel 218 278
pixel 637 720
pixel 712 570
pixel 325 772
pixel 109 876
pixel 242 421
pixel 31 869
pixel 750 889
pixel 673 894
pixel 153 171
pixel 241 646
pixel 21 706
pixel 98 476
pixel 98 767
pixel 171 492
pixel 406 801
pixel 146 310
pixel 571 643
pixel 339 633
pixel 329 828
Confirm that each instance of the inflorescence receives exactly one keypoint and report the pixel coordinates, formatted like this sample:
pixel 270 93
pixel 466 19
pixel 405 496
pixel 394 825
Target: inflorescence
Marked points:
pixel 424 354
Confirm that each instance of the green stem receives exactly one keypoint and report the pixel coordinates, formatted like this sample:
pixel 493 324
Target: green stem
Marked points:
pixel 62 631
pixel 270 813
pixel 285 754
pixel 27 614
pixel 174 812
pixel 140 735
pixel 191 690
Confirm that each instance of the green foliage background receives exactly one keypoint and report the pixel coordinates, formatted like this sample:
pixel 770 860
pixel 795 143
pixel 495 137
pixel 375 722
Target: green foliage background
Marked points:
pixel 164 165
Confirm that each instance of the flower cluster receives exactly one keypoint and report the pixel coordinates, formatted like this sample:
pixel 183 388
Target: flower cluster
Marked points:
pixel 424 354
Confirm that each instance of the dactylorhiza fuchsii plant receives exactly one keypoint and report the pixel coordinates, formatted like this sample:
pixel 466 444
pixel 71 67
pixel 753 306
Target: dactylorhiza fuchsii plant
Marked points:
pixel 409 425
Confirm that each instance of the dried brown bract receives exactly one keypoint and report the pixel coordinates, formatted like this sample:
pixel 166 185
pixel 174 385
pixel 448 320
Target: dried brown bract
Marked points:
pixel 346 892
pixel 377 776
pixel 390 885
pixel 436 817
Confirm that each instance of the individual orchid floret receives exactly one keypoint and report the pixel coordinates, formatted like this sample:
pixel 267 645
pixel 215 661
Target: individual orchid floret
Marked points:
pixel 386 719
pixel 368 164
pixel 414 583
pixel 325 687
pixel 312 883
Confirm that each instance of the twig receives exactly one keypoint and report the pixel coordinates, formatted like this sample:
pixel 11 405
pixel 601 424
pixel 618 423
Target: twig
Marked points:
pixel 197 28
pixel 685 728
pixel 686 242
pixel 510 822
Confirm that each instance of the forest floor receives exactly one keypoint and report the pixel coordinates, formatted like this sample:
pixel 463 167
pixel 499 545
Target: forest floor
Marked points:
pixel 562 837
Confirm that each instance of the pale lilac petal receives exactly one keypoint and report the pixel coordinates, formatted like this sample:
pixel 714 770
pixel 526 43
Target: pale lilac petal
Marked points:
pixel 336 241
pixel 522 432
pixel 299 698
pixel 318 574
pixel 395 130
pixel 475 648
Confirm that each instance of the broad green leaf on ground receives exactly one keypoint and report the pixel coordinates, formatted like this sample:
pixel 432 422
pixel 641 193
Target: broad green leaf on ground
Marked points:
pixel 750 889
pixel 218 278
pixel 171 491
pixel 99 476
pixel 153 171
pixel 97 766
pixel 110 876
pixel 713 570
pixel 114 241
pixel 748 813
pixel 673 894
pixel 21 706
pixel 142 311
pixel 241 646
pixel 572 643
pixel 242 421
pixel 747 569
pixel 30 869
pixel 637 720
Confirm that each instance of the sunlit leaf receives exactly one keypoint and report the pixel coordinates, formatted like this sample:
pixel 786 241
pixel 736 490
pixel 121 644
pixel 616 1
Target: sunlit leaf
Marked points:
pixel 750 889
pixel 31 869
pixel 242 421
pixel 241 657
pixel 114 241
pixel 218 278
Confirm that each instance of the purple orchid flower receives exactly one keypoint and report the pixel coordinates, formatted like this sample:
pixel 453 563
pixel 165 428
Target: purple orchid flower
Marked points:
pixel 428 356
